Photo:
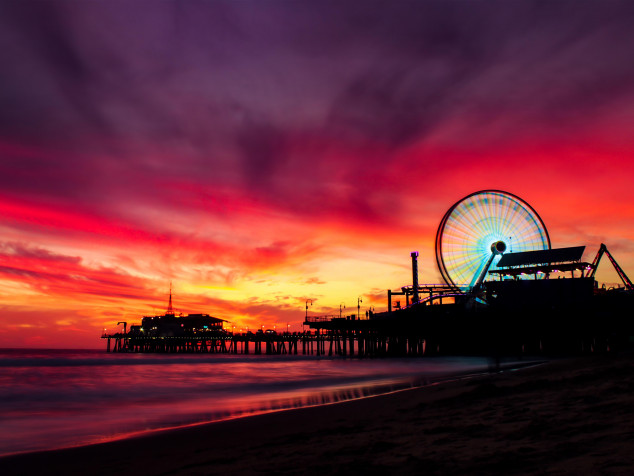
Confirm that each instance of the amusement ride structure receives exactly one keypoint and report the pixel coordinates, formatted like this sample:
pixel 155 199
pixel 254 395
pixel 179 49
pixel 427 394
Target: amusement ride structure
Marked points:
pixel 477 230
pixel 492 233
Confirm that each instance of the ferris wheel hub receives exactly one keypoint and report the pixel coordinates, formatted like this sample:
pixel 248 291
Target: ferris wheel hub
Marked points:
pixel 498 247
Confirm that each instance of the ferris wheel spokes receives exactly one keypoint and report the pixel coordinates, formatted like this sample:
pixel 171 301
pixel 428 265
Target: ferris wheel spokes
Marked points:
pixel 476 230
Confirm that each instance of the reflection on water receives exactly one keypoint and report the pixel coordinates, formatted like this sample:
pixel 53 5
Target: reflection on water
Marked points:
pixel 53 399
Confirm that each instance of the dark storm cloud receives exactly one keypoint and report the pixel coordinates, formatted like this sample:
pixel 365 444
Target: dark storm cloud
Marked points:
pixel 401 69
pixel 419 57
pixel 42 33
pixel 382 106
pixel 263 150
pixel 254 94
pixel 531 62
pixel 43 25
pixel 73 78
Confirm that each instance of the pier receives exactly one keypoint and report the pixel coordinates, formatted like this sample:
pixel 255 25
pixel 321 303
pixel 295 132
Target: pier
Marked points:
pixel 343 342
pixel 418 331
pixel 506 315
pixel 494 301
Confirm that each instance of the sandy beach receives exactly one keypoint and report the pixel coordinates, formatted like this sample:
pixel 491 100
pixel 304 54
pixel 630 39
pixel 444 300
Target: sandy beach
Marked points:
pixel 573 416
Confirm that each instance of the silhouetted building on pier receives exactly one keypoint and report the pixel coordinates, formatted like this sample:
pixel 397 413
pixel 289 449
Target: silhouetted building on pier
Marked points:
pixel 173 325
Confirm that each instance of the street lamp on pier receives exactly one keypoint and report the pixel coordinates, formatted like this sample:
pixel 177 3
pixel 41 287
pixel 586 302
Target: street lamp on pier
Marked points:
pixel 311 303
pixel 340 307
pixel 359 301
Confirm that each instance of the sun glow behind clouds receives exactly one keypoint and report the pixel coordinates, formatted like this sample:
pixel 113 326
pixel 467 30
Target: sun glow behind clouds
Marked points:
pixel 261 155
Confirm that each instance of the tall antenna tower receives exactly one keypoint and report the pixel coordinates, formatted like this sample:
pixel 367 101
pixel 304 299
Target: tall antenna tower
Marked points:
pixel 170 309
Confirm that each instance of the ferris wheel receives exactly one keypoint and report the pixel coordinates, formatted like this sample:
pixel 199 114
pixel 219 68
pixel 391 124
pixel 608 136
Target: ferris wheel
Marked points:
pixel 478 229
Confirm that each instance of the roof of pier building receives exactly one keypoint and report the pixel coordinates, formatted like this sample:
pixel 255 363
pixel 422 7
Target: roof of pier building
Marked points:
pixel 541 262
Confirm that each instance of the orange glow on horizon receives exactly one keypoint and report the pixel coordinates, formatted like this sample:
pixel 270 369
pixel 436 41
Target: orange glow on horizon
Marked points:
pixel 303 160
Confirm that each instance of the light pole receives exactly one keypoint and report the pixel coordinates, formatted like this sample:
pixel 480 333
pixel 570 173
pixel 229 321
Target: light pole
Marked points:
pixel 344 306
pixel 311 303
pixel 359 301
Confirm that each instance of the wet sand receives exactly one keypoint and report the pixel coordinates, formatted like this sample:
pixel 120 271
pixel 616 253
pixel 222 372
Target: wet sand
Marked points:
pixel 573 416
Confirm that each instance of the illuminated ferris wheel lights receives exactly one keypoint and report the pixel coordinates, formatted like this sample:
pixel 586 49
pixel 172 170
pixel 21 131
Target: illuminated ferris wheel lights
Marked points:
pixel 478 229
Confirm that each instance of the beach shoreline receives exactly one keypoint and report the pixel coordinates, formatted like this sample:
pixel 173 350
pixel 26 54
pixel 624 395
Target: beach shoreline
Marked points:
pixel 265 403
pixel 551 418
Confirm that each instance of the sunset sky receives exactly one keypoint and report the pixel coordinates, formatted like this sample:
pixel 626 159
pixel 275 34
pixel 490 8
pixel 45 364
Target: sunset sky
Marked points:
pixel 261 153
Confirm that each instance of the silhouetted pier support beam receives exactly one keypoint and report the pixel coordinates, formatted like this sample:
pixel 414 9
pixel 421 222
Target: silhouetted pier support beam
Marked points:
pixel 414 255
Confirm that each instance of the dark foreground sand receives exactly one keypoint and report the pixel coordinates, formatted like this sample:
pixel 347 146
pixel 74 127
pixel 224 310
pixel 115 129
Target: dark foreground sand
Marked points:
pixel 565 417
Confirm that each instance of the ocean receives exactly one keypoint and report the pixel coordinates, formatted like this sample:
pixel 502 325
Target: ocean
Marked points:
pixel 52 399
